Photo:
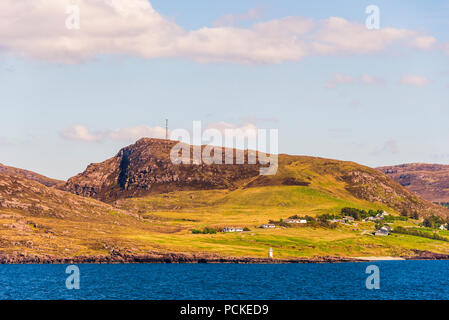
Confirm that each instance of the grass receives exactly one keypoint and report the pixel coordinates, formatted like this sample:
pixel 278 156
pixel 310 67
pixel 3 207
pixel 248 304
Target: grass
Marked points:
pixel 65 225
pixel 254 206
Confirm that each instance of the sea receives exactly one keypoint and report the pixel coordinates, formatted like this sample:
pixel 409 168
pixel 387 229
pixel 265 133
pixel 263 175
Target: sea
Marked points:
pixel 397 280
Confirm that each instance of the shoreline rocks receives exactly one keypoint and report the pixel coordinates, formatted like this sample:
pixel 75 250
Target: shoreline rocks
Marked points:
pixel 181 258
pixel 161 258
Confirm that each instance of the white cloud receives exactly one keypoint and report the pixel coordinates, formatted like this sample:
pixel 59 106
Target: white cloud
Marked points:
pixel 425 42
pixel 36 29
pixel 365 79
pixel 82 133
pixel 243 133
pixel 244 129
pixel 339 36
pixel 372 80
pixel 414 80
pixel 231 19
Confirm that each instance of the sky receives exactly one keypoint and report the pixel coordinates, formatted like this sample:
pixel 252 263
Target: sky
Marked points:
pixel 313 70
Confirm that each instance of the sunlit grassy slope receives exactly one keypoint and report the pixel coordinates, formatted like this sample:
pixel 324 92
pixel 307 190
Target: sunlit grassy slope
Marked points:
pixel 254 206
pixel 38 220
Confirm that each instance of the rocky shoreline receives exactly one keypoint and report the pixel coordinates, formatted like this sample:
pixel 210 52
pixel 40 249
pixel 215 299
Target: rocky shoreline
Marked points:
pixel 426 255
pixel 155 257
pixel 161 258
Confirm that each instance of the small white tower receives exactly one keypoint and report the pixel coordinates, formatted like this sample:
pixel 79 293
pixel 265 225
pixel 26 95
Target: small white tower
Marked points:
pixel 270 253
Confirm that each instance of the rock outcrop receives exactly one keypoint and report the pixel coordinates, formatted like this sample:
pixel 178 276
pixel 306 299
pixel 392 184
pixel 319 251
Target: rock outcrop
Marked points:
pixel 145 167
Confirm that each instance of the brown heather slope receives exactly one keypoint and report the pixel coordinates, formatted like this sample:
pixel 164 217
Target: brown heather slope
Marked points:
pixel 43 221
pixel 29 175
pixel 144 168
pixel 430 181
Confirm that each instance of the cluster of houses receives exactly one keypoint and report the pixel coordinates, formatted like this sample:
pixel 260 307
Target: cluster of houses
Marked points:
pixel 232 229
pixel 291 221
pixel 378 217
pixel 383 231
pixel 348 219
pixel 266 226
pixel 296 221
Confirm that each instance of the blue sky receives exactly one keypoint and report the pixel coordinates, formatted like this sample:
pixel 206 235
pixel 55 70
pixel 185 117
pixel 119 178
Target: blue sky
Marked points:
pixel 319 102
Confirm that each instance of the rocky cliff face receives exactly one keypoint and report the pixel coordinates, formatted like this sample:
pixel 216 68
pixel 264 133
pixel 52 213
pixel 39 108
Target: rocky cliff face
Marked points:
pixel 430 181
pixel 145 167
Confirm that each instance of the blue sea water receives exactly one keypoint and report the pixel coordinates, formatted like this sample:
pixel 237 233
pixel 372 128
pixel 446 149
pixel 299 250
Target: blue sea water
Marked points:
pixel 399 280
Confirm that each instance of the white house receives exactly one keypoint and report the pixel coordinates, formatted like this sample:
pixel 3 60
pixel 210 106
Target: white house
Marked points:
pixel 298 221
pixel 232 229
pixel 268 226
pixel 384 231
pixel 382 215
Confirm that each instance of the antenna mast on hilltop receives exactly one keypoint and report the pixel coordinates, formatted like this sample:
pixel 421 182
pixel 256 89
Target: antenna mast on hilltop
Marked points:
pixel 166 129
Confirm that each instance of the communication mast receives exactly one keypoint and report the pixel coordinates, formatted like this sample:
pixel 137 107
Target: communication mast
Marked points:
pixel 166 129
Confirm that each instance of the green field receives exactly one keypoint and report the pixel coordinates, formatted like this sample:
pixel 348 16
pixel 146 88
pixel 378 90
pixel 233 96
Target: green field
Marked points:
pixel 255 206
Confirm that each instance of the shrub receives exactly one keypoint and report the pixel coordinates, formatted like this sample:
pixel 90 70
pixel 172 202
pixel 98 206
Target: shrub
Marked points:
pixel 206 230
pixel 419 233
pixel 433 222
pixel 414 215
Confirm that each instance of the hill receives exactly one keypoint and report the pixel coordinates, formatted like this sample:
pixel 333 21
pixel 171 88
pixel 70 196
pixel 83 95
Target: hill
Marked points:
pixel 160 222
pixel 144 168
pixel 430 181
pixel 42 221
pixel 29 175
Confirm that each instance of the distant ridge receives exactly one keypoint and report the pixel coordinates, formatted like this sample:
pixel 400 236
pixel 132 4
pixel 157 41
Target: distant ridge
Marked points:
pixel 29 175
pixel 430 181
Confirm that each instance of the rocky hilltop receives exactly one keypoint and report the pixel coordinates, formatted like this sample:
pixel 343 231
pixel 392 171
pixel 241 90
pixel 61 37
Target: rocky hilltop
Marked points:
pixel 29 175
pixel 145 168
pixel 430 181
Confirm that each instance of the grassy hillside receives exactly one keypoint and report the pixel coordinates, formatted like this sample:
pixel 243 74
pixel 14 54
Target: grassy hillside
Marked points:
pixel 145 168
pixel 255 206
pixel 154 205
pixel 38 220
